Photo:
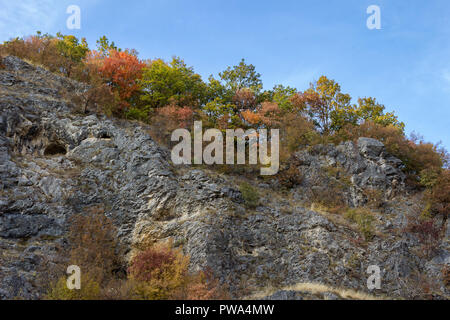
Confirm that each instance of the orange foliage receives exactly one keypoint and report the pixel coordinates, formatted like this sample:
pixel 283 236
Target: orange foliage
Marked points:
pixel 268 115
pixel 204 286
pixel 251 117
pixel 42 50
pixel 121 70
pixel 244 98
pixel 294 127
pixel 181 116
pixel 147 264
pixel 169 118
pixel 161 272
pixel 300 100
pixel 223 122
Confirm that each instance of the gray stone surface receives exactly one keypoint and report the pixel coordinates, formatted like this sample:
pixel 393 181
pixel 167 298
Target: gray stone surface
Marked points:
pixel 366 165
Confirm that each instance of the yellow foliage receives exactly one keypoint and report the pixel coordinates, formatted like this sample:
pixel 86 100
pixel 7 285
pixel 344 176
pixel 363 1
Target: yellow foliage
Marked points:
pixel 90 290
pixel 160 272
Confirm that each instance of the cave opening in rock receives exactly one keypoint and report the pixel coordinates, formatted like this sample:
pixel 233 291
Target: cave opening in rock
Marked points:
pixel 54 149
pixel 104 135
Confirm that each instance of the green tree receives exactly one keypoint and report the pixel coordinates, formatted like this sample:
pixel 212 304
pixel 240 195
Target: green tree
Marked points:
pixel 328 107
pixel 238 88
pixel 72 49
pixel 242 76
pixel 370 110
pixel 164 83
pixel 283 96
pixel 104 46
pixel 216 110
pixel 216 90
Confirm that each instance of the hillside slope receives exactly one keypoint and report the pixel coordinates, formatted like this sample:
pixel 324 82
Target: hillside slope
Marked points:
pixel 55 163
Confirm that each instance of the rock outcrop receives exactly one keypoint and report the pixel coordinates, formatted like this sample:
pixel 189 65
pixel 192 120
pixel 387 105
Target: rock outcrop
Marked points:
pixel 55 163
pixel 364 165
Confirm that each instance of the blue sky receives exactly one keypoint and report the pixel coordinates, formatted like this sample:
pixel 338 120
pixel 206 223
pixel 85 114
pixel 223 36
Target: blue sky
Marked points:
pixel 405 65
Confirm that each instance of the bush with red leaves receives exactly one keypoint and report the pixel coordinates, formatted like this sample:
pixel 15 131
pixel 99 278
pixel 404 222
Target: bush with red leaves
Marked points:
pixel 428 233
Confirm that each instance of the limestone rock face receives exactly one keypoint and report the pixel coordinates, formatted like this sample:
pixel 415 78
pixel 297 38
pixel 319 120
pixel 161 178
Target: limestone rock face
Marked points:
pixel 365 165
pixel 55 163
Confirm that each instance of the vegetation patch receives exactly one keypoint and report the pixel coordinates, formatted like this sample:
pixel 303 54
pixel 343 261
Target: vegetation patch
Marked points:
pixel 171 95
pixel 364 219
pixel 250 195
pixel 157 271
pixel 319 288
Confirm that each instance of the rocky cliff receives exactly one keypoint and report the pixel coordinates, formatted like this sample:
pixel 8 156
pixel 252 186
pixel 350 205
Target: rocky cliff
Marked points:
pixel 55 163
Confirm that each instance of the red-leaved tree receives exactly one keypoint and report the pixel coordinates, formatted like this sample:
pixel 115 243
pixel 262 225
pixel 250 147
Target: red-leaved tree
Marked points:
pixel 122 70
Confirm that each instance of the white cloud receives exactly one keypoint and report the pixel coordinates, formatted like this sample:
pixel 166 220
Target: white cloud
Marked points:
pixel 25 17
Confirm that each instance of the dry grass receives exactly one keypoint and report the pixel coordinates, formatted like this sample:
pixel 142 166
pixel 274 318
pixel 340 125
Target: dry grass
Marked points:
pixel 319 288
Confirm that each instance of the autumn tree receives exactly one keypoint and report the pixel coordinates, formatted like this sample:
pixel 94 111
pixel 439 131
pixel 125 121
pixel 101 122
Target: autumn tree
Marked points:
pixel 238 88
pixel 268 115
pixel 73 50
pixel 294 127
pixel 92 244
pixel 244 98
pixel 204 286
pixel 62 54
pixel 370 110
pixel 327 106
pixel 160 272
pixel 121 70
pixel 439 195
pixel 168 118
pixel 99 98
pixel 164 83
pixel 331 110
